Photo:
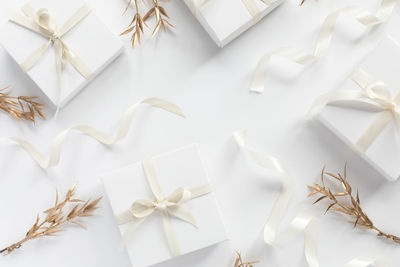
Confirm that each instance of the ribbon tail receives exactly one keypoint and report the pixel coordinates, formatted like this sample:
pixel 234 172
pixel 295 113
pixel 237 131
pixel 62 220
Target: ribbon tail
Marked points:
pixel 170 235
pixel 183 215
pixel 58 53
pixel 77 62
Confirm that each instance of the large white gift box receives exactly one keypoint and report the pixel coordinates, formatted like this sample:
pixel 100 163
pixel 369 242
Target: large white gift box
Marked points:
pixel 89 40
pixel 355 124
pixel 149 244
pixel 224 20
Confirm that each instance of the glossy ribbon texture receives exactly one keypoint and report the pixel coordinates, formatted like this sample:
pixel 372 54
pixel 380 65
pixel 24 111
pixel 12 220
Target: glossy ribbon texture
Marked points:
pixel 303 223
pixel 324 40
pixel 43 23
pixel 251 6
pixel 374 96
pixel 125 123
pixel 168 206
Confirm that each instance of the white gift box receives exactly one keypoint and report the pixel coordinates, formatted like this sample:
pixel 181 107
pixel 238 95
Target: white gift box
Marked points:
pixel 350 123
pixel 180 168
pixel 224 20
pixel 90 39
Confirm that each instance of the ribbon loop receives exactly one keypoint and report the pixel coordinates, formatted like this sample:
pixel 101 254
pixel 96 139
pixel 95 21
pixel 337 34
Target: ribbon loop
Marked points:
pixel 168 206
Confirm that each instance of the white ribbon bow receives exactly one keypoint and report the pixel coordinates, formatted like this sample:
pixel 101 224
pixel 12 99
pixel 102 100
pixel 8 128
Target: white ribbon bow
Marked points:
pixel 168 206
pixel 43 23
pixel 251 6
pixel 374 96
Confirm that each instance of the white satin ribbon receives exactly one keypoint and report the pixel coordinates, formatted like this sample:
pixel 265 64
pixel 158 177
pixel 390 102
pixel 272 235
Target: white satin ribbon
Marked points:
pixel 374 96
pixel 324 40
pixel 251 6
pixel 168 206
pixel 303 223
pixel 124 125
pixel 43 23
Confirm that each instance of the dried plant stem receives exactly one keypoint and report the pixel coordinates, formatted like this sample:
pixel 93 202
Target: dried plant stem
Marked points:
pixel 137 24
pixel 57 217
pixel 350 206
pixel 240 263
pixel 21 107
pixel 160 15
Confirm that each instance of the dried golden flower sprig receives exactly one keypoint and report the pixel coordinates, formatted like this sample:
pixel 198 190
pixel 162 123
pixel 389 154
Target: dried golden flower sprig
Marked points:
pixel 240 263
pixel 21 107
pixel 58 217
pixel 344 202
pixel 138 22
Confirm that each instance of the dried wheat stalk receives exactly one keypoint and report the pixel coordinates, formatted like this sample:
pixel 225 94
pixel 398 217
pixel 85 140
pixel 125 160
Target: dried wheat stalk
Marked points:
pixel 344 202
pixel 239 261
pixel 138 22
pixel 21 107
pixel 57 218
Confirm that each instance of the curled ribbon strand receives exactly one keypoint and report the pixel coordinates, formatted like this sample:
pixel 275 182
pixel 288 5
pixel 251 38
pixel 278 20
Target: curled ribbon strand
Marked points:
pixel 374 96
pixel 168 206
pixel 56 148
pixel 42 22
pixel 324 40
pixel 302 223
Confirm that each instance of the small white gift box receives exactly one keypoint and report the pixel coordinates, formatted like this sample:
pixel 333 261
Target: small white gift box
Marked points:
pixel 152 225
pixel 90 44
pixel 364 112
pixel 224 20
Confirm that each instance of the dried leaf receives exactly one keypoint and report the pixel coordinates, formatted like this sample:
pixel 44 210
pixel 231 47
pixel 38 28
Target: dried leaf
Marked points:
pixel 57 217
pixel 349 206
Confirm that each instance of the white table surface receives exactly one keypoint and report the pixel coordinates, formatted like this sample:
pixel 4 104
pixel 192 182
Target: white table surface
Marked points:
pixel 211 85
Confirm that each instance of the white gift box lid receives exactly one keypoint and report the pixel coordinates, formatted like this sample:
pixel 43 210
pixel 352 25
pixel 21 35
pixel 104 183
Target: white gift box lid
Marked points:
pixel 224 20
pixel 90 39
pixel 180 168
pixel 350 123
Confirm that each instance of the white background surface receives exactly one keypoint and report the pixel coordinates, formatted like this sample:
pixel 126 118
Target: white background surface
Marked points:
pixel 211 86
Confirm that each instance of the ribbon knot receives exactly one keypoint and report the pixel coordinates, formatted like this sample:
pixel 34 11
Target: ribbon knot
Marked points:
pixel 43 22
pixel 380 93
pixel 169 206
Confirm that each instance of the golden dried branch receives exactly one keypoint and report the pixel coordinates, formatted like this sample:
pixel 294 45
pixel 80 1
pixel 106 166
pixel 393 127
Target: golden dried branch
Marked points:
pixel 136 25
pixel 58 217
pixel 21 107
pixel 239 262
pixel 138 22
pixel 344 202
